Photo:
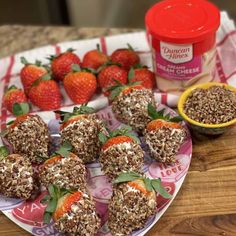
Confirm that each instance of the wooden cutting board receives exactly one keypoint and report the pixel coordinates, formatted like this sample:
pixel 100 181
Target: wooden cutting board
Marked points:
pixel 206 203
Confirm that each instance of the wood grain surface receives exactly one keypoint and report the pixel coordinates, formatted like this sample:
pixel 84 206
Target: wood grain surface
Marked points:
pixel 206 203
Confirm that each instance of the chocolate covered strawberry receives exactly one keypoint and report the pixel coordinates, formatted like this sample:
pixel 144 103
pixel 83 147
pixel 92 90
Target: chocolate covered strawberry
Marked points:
pixel 61 64
pixel 130 102
pixel 30 73
pixel 108 75
pixel 63 169
pixel 80 85
pixel 73 212
pixel 45 93
pixel 126 57
pixel 164 135
pixel 94 59
pixel 29 136
pixel 133 202
pixel 121 152
pixel 17 178
pixel 81 128
pixel 14 95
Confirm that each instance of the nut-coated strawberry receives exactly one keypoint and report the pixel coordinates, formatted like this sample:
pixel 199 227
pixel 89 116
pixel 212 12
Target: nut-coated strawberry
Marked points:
pixel 164 135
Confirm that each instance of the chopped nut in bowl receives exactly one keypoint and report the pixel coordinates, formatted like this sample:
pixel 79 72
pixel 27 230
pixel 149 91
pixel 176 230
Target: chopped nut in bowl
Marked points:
pixel 209 108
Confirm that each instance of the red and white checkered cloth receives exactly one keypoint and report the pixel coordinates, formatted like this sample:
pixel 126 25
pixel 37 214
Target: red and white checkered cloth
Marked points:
pixel 11 66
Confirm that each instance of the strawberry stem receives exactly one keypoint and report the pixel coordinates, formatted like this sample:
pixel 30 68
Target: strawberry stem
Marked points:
pixel 75 68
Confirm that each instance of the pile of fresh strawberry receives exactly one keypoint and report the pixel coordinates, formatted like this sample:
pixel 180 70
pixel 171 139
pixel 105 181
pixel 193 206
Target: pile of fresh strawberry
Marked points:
pixel 80 78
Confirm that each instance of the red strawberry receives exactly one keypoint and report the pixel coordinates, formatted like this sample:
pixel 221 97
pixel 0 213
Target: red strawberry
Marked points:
pixel 117 140
pixel 145 76
pixel 45 94
pixel 126 57
pixel 13 95
pixel 108 75
pixel 31 72
pixel 94 59
pixel 61 64
pixel 80 85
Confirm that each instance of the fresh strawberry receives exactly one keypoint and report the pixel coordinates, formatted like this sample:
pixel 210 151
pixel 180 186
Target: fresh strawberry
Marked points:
pixel 12 96
pixel 45 93
pixel 30 73
pixel 80 85
pixel 145 76
pixel 71 211
pixel 94 59
pixel 61 64
pixel 110 74
pixel 126 57
pixel 121 152
pixel 164 135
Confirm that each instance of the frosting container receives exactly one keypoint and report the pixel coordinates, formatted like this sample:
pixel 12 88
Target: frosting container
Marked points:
pixel 182 36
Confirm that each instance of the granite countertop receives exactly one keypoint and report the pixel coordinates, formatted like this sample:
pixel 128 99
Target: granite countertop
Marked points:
pixel 17 38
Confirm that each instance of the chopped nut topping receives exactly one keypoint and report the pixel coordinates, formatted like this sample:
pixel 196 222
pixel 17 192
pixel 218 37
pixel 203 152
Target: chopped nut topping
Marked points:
pixel 215 105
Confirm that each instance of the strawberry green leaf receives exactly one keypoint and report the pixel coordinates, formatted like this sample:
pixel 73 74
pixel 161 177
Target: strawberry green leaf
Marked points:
pixel 46 77
pixel 52 205
pixel 156 184
pixel 176 119
pixel 20 108
pixel 70 50
pixel 130 47
pixel 131 74
pixel 47 217
pixel 12 87
pixel 38 63
pixel 152 111
pixel 24 61
pixel 52 190
pixel 167 117
pixel 126 177
pixel 148 184
pixel 98 47
pixel 75 68
pixel 45 199
pixel 64 150
pixel 102 137
pixel 4 152
pixel 10 122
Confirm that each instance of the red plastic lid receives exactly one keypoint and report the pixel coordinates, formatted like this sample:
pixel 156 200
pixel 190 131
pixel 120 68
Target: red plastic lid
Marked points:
pixel 183 21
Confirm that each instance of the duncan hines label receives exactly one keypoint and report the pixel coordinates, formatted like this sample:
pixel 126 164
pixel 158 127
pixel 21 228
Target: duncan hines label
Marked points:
pixel 177 62
pixel 175 53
